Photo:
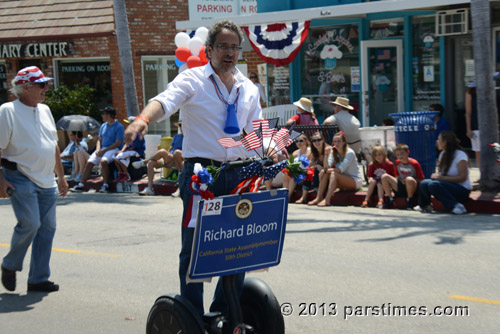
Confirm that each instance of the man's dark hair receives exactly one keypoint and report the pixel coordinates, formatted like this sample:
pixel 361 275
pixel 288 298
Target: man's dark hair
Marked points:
pixel 217 27
pixel 437 107
pixel 109 110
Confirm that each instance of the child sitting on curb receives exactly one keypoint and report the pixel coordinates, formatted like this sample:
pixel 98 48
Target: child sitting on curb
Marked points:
pixel 408 176
pixel 379 166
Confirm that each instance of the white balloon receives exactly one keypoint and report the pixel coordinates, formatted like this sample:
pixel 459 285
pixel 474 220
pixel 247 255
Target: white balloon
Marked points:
pixel 195 45
pixel 181 39
pixel 183 68
pixel 201 33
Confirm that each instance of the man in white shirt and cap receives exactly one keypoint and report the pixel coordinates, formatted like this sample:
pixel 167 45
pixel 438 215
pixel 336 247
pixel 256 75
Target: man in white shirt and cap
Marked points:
pixel 29 158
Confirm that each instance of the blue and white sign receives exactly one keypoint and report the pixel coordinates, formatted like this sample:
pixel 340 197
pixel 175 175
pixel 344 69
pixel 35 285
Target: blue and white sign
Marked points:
pixel 247 233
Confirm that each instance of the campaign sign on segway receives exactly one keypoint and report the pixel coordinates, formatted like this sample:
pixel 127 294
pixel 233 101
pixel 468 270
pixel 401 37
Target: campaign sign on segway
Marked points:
pixel 239 233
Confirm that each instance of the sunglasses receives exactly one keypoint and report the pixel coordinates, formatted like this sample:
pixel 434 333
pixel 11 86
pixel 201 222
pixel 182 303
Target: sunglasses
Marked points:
pixel 41 85
pixel 253 77
pixel 300 141
pixel 316 140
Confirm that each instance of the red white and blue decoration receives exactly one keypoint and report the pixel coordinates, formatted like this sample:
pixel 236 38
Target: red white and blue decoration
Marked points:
pixel 200 181
pixel 190 50
pixel 278 43
pixel 299 170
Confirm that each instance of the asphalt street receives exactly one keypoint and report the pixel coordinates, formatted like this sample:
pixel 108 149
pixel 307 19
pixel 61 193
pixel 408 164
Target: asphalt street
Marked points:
pixel 343 269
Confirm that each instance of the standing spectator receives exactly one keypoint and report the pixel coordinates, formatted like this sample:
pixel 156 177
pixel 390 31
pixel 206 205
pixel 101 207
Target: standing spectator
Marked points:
pixel 451 184
pixel 471 122
pixel 346 122
pixel 440 123
pixel 341 169
pixel 206 95
pixel 29 158
pixel 255 79
pixel 379 166
pixel 163 158
pixel 108 143
pixel 408 175
pixel 305 115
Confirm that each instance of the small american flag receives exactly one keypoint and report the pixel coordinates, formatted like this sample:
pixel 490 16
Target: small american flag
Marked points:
pixel 282 139
pixel 252 141
pixel 229 142
pixel 268 126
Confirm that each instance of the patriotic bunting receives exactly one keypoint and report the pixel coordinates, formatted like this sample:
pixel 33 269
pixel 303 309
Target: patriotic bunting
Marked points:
pixel 278 43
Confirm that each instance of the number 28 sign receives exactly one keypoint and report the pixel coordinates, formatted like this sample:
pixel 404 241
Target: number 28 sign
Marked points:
pixel 238 233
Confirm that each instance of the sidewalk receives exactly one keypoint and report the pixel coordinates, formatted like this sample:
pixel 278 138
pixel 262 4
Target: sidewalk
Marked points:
pixel 163 187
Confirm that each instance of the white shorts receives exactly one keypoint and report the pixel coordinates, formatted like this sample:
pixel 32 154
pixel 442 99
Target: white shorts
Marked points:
pixel 108 157
pixel 476 144
pixel 124 157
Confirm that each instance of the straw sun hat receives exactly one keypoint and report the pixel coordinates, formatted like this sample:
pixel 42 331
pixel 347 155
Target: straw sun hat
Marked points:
pixel 343 102
pixel 304 103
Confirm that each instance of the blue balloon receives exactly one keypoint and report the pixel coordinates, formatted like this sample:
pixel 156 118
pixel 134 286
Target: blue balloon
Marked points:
pixel 178 62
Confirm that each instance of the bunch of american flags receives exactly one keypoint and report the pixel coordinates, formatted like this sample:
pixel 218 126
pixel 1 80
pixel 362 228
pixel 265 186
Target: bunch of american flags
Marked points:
pixel 265 140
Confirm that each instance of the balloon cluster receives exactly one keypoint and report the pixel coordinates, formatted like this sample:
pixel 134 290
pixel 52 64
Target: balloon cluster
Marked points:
pixel 191 51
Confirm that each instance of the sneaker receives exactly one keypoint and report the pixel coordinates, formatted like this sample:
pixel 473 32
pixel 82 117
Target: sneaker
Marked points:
pixel 409 204
pixel 9 279
pixel 77 188
pixel 104 188
pixel 364 204
pixel 459 209
pixel 177 193
pixel 46 286
pixel 146 191
pixel 427 208
pixel 380 204
pixel 138 164
pixel 388 204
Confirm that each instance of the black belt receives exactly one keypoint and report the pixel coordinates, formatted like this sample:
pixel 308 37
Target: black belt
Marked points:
pixel 9 164
pixel 204 161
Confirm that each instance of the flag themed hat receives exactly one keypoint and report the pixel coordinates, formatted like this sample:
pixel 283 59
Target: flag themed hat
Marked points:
pixel 30 74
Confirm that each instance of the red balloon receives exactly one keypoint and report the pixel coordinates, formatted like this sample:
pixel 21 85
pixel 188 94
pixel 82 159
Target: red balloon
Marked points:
pixel 194 61
pixel 203 55
pixel 182 53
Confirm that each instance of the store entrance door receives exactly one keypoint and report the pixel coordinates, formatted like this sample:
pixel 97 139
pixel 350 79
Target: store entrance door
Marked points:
pixel 382 80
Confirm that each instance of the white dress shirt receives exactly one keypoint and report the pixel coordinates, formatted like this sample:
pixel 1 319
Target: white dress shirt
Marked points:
pixel 204 114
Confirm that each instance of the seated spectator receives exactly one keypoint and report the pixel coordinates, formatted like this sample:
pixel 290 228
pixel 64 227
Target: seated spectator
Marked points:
pixel 346 122
pixel 288 182
pixel 388 122
pixel 408 175
pixel 341 168
pixel 451 184
pixel 122 158
pixel 80 156
pixel 319 148
pixel 108 143
pixel 305 115
pixel 163 158
pixel 67 153
pixel 379 166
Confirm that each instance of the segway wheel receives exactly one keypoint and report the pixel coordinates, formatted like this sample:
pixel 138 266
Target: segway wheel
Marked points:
pixel 173 314
pixel 260 307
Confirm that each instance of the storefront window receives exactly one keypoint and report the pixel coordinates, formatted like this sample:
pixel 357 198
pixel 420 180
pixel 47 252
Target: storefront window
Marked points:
pixel 157 72
pixel 95 73
pixel 331 67
pixel 425 61
pixel 386 29
pixel 279 84
pixel 3 84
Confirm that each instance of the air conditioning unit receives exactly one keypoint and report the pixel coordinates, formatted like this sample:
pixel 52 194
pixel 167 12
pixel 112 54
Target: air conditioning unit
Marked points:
pixel 452 22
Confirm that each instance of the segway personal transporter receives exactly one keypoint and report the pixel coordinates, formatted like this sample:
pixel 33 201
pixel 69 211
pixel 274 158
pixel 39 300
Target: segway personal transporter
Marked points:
pixel 234 234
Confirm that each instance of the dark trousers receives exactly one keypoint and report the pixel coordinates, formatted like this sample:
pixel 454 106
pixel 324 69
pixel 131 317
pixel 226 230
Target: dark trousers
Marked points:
pixel 227 180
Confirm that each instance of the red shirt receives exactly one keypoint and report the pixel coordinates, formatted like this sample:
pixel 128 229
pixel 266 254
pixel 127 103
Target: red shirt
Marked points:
pixel 412 168
pixel 304 119
pixel 376 170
